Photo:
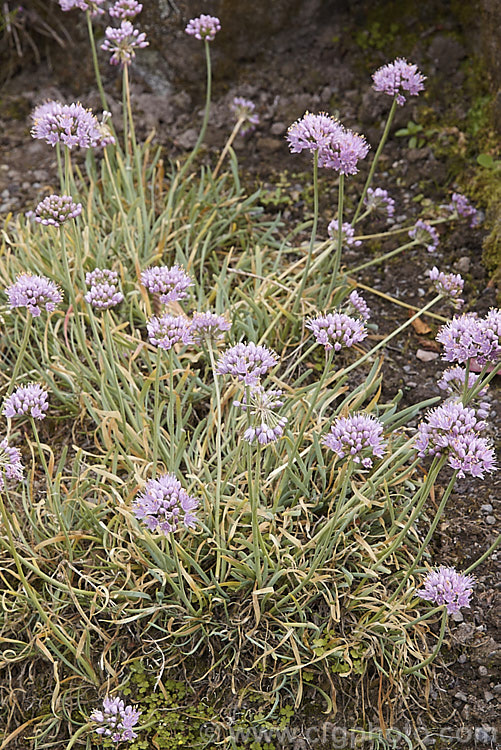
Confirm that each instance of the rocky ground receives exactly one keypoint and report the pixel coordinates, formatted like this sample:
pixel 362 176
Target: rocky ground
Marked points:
pixel 323 61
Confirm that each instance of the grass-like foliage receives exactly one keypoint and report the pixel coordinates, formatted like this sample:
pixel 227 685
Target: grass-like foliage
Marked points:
pixel 229 492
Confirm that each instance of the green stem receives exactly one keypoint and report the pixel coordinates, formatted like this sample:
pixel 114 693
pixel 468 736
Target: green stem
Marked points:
pixel 306 271
pixel 384 137
pixel 20 356
pixel 219 467
pixel 205 121
pixel 156 411
pixel 381 258
pixel 95 62
pixel 227 147
pixel 181 588
pixel 170 408
pixel 339 249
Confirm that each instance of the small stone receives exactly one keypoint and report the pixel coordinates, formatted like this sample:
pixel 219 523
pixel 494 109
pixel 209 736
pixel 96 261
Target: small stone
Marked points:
pixel 487 508
pixel 490 520
pixel 462 659
pixel 269 145
pixel 488 696
pixel 463 264
pixel 461 697
pixel 426 356
pixel 497 688
pixel 483 671
pixel 457 617
pixel 484 735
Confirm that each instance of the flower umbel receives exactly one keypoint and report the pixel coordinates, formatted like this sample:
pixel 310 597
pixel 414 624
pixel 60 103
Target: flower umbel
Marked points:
pixel 337 330
pixel 358 437
pixel 344 152
pixel 396 77
pixel 103 292
pixel 425 234
pixel 448 284
pixel 116 720
pixel 359 305
pixel 207 326
pixel 94 6
pixel 247 362
pixel 461 206
pixel 34 292
pixel 378 199
pixel 56 209
pixel 266 427
pixel 10 463
pixel 347 232
pixel 469 337
pixel 123 42
pixel 69 124
pixel 244 109
pixel 29 399
pixel 125 9
pixel 447 586
pixel 171 284
pixel 165 505
pixel 168 330
pixel 313 132
pixel 204 27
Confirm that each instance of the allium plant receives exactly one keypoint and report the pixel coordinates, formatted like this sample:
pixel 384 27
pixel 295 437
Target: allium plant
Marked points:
pixel 123 42
pixel 103 293
pixel 245 110
pixel 34 293
pixel 204 27
pixel 207 326
pixel 116 720
pixel 125 9
pixel 425 234
pixel 93 6
pixel 399 78
pixel 358 437
pixel 378 200
pixel 167 330
pixel 445 586
pixel 347 232
pixel 265 425
pixel 170 284
pixel 69 124
pixel 359 305
pixel 56 209
pixel 448 284
pixel 164 505
pixel 468 337
pixel 247 362
pixel 461 206
pixel 10 463
pixel 31 399
pixel 337 331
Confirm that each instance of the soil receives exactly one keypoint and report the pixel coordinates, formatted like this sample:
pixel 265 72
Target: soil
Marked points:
pixel 324 63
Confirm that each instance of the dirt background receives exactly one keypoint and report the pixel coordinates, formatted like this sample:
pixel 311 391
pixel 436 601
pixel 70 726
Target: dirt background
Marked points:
pixel 289 56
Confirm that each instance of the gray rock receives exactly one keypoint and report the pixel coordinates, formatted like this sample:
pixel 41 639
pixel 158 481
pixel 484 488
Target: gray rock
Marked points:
pixel 486 508
pixel 463 264
pixel 491 520
pixel 426 356
pixel 483 671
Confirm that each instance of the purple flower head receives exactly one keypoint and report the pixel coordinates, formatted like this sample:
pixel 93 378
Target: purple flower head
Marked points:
pixel 169 330
pixel 453 428
pixel 116 720
pixel 207 326
pixel 461 206
pixel 452 380
pixel 358 437
pixel 347 232
pixel 123 42
pixel 56 209
pixel 266 426
pixel 337 330
pixel 29 399
pixel 359 305
pixel 103 296
pixel 396 77
pixel 468 337
pixel 447 586
pixel 247 362
pixel 425 235
pixel 101 276
pixel 313 132
pixel 204 27
pixel 91 5
pixel 170 284
pixel 10 463
pixel 344 152
pixel 448 284
pixel 33 292
pixel 164 505
pixel 124 9
pixel 378 200
pixel 244 110
pixel 69 124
